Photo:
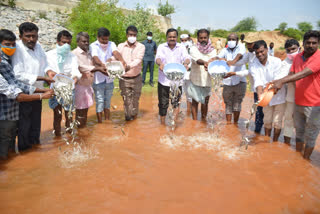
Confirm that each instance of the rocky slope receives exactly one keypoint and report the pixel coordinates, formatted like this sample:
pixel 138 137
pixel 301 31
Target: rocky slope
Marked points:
pixel 49 23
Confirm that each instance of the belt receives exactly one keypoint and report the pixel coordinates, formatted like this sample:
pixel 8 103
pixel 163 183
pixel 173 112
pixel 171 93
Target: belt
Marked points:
pixel 131 77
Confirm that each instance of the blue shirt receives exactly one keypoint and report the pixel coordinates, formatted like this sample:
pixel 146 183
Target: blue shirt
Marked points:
pixel 151 47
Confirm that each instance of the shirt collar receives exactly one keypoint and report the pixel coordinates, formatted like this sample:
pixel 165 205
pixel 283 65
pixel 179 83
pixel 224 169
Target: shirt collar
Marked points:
pixel 127 44
pixel 177 45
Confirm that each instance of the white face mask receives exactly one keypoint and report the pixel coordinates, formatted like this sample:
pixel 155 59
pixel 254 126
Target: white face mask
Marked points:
pixel 292 55
pixel 132 39
pixel 149 37
pixel 232 44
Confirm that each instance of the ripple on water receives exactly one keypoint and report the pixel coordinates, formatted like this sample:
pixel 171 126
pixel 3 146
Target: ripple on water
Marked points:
pixel 205 141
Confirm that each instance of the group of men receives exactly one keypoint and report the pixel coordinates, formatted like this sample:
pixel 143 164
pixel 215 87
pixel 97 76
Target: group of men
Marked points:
pixel 25 66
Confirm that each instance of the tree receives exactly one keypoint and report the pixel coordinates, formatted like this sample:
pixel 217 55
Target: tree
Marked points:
pixel 142 19
pixel 165 9
pixel 305 26
pixel 282 26
pixel 90 15
pixel 247 24
pixel 293 33
pixel 318 23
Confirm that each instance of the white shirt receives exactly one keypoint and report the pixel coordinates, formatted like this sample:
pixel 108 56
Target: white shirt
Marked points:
pixel 70 65
pixel 97 51
pixel 271 52
pixel 229 55
pixel 28 64
pixel 263 74
pixel 246 58
pixel 291 87
pixel 199 76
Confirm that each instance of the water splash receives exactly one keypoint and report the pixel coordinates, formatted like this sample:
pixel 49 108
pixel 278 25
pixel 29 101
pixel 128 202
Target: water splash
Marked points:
pixel 204 141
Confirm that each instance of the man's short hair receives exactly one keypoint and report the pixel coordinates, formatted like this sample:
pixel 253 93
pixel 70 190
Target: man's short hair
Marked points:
pixel 82 34
pixel 203 31
pixel 259 43
pixel 132 28
pixel 242 37
pixel 103 32
pixel 172 30
pixel 149 33
pixel 311 33
pixel 271 43
pixel 7 35
pixel 27 27
pixel 64 33
pixel 291 42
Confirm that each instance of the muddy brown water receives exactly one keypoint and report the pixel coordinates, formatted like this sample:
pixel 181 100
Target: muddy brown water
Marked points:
pixel 143 167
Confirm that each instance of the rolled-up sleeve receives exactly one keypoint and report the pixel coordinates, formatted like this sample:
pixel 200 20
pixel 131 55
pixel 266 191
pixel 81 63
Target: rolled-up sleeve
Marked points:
pixel 75 68
pixel 10 91
pixel 194 54
pixel 139 53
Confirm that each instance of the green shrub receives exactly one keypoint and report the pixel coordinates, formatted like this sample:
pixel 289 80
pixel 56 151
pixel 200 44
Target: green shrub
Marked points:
pixel 12 3
pixel 245 25
pixel 293 33
pixel 220 33
pixel 42 14
pixel 90 15
pixel 165 9
pixel 143 20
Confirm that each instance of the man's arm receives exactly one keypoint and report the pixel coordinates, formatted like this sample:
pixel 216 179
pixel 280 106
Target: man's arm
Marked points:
pixel 159 62
pixel 277 84
pixel 259 91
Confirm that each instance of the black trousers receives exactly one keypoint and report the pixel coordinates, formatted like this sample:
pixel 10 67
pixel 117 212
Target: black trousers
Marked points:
pixel 8 133
pixel 259 115
pixel 29 126
pixel 163 98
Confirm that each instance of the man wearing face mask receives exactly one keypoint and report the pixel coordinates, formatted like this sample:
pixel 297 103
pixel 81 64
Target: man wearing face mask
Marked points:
pixel 305 72
pixel 131 82
pixel 234 87
pixel 292 48
pixel 83 88
pixel 248 59
pixel 169 52
pixel 148 59
pixel 200 87
pixel 12 91
pixel 30 66
pixel 62 61
pixel 102 50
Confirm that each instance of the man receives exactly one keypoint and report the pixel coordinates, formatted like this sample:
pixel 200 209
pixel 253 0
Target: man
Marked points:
pixel 83 88
pixel 265 69
pixel 271 50
pixel 62 61
pixel 305 72
pixel 148 59
pixel 218 46
pixel 234 87
pixel 292 48
pixel 248 59
pixel 131 84
pixel 12 91
pixel 241 39
pixel 102 51
pixel 169 52
pixel 30 65
pixel 200 87
pixel 184 38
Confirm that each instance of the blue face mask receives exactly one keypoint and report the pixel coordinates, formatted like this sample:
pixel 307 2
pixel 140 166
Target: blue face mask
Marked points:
pixel 62 53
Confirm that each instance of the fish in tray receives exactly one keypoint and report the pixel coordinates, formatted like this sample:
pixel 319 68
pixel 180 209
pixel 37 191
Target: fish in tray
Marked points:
pixel 174 71
pixel 115 69
pixel 218 68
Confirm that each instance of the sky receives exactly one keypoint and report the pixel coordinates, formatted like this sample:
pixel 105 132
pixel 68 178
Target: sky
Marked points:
pixel 195 14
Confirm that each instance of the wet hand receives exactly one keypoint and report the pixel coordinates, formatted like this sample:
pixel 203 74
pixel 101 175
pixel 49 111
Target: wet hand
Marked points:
pixel 276 85
pixel 186 66
pixel 229 74
pixel 48 94
pixel 128 68
pixel 229 63
pixel 206 65
pixel 49 80
pixel 161 67
pixel 51 74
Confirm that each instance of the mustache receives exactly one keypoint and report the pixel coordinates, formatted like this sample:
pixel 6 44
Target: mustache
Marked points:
pixel 203 43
